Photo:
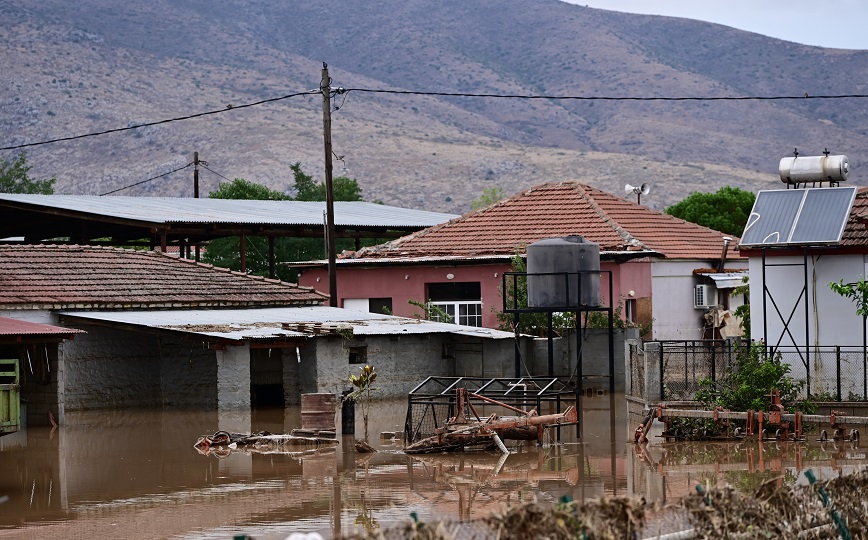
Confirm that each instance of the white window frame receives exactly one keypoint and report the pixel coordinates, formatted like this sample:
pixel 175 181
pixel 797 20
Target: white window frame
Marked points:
pixel 472 315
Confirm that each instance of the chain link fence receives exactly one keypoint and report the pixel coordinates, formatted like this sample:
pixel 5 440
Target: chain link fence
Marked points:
pixel 829 373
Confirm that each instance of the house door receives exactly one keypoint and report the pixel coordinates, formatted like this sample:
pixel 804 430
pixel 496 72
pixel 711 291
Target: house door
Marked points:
pixel 10 397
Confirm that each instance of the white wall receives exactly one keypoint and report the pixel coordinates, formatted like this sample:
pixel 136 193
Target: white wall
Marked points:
pixel 672 297
pixel 832 319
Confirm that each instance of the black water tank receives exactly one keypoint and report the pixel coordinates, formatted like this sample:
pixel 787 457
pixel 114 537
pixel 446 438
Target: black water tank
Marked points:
pixel 576 265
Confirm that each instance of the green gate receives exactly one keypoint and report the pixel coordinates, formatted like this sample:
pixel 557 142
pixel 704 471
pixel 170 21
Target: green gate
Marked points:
pixel 10 397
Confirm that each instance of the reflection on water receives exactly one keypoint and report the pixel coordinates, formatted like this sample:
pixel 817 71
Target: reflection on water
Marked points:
pixel 136 474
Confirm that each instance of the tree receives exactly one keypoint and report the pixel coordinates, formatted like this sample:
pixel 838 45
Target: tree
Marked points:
pixel 306 189
pixel 726 210
pixel 242 189
pixel 489 196
pixel 224 252
pixel 14 178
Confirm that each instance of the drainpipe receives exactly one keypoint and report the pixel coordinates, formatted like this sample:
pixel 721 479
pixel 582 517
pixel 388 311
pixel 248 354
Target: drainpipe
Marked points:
pixel 726 241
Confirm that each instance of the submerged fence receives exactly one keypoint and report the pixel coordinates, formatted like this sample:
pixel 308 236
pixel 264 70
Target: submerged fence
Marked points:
pixel 829 373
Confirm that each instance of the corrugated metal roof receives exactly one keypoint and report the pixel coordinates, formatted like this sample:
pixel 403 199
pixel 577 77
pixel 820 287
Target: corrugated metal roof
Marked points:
pixel 238 324
pixel 161 210
pixel 15 327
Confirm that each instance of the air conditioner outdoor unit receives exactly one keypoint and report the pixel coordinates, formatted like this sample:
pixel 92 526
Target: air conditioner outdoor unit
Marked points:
pixel 703 296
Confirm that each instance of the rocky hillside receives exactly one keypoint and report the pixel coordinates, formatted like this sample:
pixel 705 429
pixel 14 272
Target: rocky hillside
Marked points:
pixel 97 65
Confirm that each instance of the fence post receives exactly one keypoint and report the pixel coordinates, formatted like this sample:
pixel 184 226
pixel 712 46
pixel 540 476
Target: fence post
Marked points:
pixel 662 393
pixel 713 363
pixel 838 369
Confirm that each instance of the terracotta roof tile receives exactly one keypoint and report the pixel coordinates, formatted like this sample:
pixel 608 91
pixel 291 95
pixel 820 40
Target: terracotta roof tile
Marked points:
pixel 555 210
pixel 103 277
pixel 856 231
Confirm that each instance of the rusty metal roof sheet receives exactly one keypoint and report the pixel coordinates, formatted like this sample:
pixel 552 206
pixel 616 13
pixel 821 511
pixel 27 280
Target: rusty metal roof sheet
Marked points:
pixel 93 277
pixel 15 327
pixel 238 324
pixel 168 210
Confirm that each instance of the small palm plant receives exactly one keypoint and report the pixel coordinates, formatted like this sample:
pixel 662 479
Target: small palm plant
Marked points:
pixel 363 388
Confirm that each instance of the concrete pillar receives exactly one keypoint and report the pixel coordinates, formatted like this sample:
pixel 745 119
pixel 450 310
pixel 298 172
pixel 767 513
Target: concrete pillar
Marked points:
pixel 233 378
pixel 652 372
pixel 233 389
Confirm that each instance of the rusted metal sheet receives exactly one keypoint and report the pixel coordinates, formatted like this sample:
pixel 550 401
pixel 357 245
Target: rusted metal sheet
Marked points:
pixel 15 327
pixel 318 411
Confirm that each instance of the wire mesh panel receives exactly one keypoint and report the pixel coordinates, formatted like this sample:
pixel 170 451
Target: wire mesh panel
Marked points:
pixel 828 373
pixel 686 363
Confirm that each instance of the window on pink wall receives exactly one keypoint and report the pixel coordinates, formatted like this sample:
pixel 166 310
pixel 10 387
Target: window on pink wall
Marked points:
pixel 461 301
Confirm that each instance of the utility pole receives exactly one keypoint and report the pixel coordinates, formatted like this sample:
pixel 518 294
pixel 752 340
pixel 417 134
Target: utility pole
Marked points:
pixel 195 196
pixel 325 88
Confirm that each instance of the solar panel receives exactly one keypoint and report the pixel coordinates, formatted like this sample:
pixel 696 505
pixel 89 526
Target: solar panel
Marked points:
pixel 798 217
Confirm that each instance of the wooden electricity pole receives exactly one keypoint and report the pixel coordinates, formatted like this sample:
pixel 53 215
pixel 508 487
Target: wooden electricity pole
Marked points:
pixel 195 195
pixel 325 88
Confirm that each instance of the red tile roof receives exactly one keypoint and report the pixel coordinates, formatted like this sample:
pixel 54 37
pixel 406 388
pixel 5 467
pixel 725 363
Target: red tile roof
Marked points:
pixel 556 210
pixel 856 232
pixel 59 277
pixel 14 327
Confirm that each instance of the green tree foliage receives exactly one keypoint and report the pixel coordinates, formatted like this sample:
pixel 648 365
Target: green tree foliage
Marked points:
pixel 242 189
pixel 726 210
pixel 857 292
pixel 489 196
pixel 748 385
pixel 224 252
pixel 343 188
pixel 14 178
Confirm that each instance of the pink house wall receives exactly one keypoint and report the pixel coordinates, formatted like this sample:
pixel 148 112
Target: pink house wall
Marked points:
pixel 406 283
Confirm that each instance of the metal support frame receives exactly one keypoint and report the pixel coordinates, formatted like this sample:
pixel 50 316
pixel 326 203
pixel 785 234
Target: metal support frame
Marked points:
pixel 767 296
pixel 569 277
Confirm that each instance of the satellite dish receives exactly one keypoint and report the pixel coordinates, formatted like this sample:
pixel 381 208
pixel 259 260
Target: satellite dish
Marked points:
pixel 644 189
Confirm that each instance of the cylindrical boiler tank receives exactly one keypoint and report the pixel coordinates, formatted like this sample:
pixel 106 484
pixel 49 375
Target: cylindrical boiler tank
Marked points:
pixel 799 170
pixel 572 279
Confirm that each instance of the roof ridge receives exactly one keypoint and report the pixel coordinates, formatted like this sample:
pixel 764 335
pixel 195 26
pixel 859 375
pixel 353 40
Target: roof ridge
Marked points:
pixel 629 239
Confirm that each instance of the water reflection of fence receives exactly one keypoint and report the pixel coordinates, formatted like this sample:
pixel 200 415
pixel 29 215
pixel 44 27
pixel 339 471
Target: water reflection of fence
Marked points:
pixel 832 373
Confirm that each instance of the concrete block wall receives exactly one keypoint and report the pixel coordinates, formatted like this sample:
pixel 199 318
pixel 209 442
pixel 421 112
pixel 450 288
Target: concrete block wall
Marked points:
pixel 188 373
pixel 595 355
pixel 108 368
pixel 401 361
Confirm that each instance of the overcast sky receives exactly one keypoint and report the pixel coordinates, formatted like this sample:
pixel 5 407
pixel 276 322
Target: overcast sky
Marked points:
pixel 829 23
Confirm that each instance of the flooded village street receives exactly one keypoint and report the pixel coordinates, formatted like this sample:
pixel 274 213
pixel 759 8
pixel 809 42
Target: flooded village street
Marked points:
pixel 135 474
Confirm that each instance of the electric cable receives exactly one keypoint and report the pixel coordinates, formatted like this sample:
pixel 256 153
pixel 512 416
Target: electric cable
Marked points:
pixel 158 122
pixel 806 95
pixel 145 181
pixel 345 91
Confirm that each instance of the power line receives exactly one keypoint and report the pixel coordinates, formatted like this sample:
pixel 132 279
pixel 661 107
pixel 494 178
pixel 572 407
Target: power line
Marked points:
pixel 145 181
pixel 806 95
pixel 215 172
pixel 340 90
pixel 158 122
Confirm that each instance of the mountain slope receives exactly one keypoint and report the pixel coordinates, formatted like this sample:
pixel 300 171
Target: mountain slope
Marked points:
pixel 101 64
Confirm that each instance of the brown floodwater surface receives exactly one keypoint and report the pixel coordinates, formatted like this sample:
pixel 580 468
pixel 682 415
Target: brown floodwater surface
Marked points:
pixel 135 474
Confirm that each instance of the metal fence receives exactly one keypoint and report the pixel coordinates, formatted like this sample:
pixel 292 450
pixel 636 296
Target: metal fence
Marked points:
pixel 684 363
pixel 829 373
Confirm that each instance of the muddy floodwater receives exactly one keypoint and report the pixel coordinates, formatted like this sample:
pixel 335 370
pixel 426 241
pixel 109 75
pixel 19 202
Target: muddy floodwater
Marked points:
pixel 137 475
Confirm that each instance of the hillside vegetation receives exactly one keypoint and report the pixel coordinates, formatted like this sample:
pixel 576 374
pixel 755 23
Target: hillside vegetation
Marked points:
pixel 94 65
